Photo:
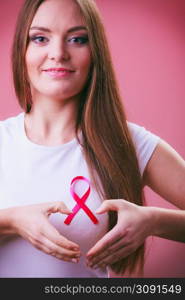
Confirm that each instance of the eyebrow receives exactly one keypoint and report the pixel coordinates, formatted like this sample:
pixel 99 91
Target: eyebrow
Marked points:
pixel 72 29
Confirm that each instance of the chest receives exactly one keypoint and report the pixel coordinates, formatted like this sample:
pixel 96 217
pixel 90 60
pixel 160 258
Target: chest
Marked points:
pixel 37 177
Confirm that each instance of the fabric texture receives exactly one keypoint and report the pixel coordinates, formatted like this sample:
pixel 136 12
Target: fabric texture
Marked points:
pixel 31 174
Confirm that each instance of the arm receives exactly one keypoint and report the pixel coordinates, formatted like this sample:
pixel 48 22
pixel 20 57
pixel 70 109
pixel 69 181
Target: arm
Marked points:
pixel 165 174
pixel 6 227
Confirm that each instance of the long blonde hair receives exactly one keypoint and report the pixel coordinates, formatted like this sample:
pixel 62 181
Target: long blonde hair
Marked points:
pixel 107 144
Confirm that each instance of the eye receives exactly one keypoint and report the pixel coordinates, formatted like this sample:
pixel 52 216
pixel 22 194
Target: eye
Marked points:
pixel 78 40
pixel 38 39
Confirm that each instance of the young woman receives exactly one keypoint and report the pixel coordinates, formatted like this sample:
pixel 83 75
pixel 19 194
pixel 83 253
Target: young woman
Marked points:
pixel 72 167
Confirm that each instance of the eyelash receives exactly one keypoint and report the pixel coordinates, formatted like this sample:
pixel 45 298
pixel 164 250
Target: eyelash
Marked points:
pixel 81 40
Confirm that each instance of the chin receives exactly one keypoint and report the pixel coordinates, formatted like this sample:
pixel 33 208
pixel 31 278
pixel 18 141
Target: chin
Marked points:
pixel 58 95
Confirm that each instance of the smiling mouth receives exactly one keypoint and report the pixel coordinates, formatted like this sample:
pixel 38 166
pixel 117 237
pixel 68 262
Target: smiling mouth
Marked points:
pixel 58 73
pixel 58 70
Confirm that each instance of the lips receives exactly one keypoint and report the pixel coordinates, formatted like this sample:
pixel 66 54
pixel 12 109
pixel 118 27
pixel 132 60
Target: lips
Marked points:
pixel 58 70
pixel 58 73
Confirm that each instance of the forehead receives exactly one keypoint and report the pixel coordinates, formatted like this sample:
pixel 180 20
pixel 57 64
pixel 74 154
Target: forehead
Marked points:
pixel 57 14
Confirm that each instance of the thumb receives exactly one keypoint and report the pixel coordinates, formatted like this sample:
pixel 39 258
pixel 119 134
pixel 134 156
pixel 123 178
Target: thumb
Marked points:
pixel 58 206
pixel 105 207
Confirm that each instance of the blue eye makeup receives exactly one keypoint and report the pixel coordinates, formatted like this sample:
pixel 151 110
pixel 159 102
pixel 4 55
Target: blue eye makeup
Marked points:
pixel 79 40
pixel 39 39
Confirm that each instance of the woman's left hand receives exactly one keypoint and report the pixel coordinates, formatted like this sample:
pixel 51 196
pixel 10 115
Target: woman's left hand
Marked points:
pixel 134 224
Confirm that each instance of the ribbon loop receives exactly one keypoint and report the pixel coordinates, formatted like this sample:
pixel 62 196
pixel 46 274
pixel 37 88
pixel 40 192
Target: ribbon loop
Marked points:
pixel 80 202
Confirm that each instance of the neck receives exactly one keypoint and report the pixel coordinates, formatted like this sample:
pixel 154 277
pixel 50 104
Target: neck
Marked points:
pixel 51 123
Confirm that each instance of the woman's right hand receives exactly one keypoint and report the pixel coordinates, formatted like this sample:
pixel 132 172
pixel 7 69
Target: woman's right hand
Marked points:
pixel 31 222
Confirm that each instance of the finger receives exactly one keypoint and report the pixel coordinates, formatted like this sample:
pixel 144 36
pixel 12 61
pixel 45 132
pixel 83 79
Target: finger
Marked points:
pixel 52 234
pixel 114 257
pixel 52 251
pixel 42 247
pixel 120 244
pixel 55 207
pixel 108 251
pixel 108 205
pixel 108 239
pixel 59 252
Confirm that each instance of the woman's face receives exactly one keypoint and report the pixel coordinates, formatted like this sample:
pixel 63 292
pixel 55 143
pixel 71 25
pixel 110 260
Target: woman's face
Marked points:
pixel 58 57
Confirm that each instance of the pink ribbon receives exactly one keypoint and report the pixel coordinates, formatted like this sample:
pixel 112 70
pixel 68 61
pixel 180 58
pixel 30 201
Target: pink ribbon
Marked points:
pixel 80 202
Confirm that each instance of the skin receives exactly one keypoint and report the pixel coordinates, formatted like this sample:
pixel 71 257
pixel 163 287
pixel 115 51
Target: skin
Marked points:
pixel 55 101
pixel 31 223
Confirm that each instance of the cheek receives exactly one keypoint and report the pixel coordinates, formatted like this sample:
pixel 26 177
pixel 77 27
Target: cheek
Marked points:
pixel 87 65
pixel 84 61
pixel 33 60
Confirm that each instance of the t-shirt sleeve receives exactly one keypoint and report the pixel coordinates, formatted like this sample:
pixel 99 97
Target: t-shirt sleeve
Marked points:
pixel 145 143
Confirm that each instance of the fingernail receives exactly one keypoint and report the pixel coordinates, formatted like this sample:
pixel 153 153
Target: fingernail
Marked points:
pixel 76 249
pixel 75 260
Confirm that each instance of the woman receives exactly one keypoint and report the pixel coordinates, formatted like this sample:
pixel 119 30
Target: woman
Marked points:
pixel 72 152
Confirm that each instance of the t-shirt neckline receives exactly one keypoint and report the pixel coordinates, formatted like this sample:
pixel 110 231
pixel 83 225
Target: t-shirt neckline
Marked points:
pixel 44 147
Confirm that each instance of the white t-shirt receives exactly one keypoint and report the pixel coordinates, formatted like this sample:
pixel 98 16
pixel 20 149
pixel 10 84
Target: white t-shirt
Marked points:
pixel 31 174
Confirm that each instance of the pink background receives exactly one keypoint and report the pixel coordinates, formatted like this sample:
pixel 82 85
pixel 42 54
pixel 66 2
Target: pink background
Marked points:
pixel 147 41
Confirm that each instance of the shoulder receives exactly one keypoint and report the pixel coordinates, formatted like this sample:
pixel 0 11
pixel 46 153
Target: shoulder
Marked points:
pixel 165 174
pixel 9 126
pixel 139 133
pixel 145 143
pixel 11 121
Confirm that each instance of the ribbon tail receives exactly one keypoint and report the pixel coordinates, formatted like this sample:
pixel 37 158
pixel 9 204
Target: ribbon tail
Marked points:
pixel 89 213
pixel 71 216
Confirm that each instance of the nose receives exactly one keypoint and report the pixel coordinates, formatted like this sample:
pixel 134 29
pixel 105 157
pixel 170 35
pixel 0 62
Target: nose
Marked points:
pixel 58 52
